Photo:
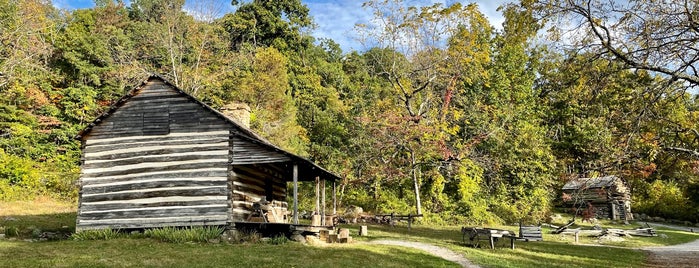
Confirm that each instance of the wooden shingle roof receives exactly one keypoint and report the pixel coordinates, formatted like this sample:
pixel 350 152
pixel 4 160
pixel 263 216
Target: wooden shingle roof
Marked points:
pixel 588 183
pixel 307 169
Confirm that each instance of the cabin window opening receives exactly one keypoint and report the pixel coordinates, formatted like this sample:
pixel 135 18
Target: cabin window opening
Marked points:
pixel 156 122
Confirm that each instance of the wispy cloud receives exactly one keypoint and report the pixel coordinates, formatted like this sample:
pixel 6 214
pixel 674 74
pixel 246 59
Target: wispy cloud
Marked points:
pixel 336 18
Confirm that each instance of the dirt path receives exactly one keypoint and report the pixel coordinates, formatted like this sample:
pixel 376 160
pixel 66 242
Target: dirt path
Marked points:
pixel 676 256
pixel 431 249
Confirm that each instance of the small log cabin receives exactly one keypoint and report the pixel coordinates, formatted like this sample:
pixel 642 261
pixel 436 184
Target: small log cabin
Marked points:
pixel 610 196
pixel 159 157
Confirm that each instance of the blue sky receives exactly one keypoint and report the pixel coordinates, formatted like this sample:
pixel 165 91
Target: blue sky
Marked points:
pixel 335 19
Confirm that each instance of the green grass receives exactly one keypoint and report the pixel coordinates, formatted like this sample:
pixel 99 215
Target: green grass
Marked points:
pixel 150 253
pixel 526 254
pixel 145 251
pixel 40 215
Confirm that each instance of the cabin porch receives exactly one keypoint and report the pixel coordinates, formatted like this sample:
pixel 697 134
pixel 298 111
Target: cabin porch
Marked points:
pixel 259 196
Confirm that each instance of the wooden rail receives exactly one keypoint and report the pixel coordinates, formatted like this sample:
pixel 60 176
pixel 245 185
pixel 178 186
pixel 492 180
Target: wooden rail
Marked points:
pixel 391 218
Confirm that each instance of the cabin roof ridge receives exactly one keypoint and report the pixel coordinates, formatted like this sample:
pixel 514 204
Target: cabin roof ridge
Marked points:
pixel 239 130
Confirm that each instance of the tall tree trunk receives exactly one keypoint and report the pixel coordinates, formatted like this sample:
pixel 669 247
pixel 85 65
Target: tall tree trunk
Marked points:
pixel 416 185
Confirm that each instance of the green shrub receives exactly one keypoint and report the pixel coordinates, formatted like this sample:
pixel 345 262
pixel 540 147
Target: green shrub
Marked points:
pixel 19 178
pixel 12 231
pixel 247 236
pixel 665 199
pixel 278 240
pixel 182 235
pixel 100 234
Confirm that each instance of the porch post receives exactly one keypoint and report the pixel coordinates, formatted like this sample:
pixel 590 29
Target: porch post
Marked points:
pixel 317 207
pixel 334 199
pixel 322 201
pixel 296 194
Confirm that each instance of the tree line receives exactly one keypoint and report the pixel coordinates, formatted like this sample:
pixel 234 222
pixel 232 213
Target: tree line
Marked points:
pixel 442 114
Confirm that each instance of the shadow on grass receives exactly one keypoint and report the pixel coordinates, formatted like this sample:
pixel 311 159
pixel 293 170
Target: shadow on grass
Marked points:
pixel 150 253
pixel 33 226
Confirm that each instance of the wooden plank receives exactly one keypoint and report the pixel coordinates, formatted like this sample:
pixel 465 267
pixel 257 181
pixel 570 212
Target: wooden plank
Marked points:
pixel 203 173
pixel 154 184
pixel 87 207
pixel 198 142
pixel 135 170
pixel 150 138
pixel 161 192
pixel 154 167
pixel 156 98
pixel 159 200
pixel 164 158
pixel 296 193
pixel 245 152
pixel 161 220
pixel 156 148
pixel 155 213
pixel 83 227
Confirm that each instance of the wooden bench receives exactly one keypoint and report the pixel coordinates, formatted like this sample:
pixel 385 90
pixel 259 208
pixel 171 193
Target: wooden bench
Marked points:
pixel 527 233
pixel 392 218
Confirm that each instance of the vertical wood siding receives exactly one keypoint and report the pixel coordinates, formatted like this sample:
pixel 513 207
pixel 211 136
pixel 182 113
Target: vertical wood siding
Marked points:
pixel 159 160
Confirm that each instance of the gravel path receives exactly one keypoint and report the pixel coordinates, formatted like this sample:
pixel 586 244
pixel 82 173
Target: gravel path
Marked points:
pixel 431 249
pixel 676 256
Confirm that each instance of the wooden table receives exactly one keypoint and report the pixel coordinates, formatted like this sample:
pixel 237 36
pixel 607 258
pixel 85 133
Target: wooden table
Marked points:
pixel 475 234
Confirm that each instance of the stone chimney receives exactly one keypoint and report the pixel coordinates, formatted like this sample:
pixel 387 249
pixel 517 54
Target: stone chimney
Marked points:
pixel 239 112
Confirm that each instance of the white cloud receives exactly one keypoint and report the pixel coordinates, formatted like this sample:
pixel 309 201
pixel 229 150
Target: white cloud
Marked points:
pixel 336 19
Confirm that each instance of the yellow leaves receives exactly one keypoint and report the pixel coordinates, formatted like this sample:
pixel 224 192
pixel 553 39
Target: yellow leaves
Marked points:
pixel 21 130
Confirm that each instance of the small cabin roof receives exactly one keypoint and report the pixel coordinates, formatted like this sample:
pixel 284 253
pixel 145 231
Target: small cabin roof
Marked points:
pixel 307 168
pixel 597 182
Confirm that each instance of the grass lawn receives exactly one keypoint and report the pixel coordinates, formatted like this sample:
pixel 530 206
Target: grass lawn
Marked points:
pixel 150 253
pixel 526 254
pixel 50 215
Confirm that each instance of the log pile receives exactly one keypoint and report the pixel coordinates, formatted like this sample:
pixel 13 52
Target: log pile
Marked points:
pixel 646 232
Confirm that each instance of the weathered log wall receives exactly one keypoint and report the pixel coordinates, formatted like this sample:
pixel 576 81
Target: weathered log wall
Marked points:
pixel 611 197
pixel 252 182
pixel 159 160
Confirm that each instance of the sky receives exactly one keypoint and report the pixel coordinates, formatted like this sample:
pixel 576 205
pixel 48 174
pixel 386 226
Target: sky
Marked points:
pixel 335 19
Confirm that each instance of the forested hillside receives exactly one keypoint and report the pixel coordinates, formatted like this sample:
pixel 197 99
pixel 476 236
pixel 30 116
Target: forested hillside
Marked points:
pixel 442 114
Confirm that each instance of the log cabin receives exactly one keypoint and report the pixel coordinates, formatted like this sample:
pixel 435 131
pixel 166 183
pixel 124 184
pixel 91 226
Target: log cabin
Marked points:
pixel 160 157
pixel 609 196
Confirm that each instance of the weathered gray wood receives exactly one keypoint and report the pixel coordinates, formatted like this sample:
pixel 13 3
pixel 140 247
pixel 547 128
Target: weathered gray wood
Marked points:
pixel 248 153
pixel 204 173
pixel 83 226
pixel 161 220
pixel 151 185
pixel 155 213
pixel 322 201
pixel 165 159
pixel 172 166
pixel 152 159
pixel 530 233
pixel 89 207
pixel 296 193
pixel 159 142
pixel 334 198
pixel 208 191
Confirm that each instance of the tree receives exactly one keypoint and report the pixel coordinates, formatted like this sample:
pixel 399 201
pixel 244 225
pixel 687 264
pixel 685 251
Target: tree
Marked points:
pixel 658 36
pixel 409 56
pixel 26 31
pixel 269 23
